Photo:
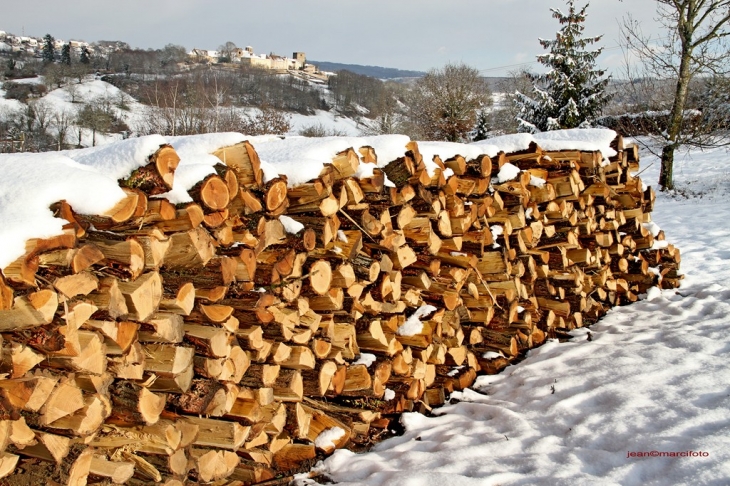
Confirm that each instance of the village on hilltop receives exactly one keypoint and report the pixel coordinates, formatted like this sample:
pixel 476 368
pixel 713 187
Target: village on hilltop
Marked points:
pixel 246 56
pixel 33 46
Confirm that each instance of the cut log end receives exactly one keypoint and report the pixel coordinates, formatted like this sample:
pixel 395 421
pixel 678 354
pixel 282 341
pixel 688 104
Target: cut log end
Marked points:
pixel 320 276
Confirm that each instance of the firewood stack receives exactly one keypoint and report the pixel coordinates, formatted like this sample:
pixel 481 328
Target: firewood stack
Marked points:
pixel 217 340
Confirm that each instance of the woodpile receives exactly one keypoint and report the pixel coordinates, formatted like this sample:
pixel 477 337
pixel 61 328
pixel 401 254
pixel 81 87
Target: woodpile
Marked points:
pixel 247 333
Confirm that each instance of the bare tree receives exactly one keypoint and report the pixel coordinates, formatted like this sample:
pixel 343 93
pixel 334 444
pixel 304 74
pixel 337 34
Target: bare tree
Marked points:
pixel 183 105
pixel 172 54
pixel 264 121
pixel 163 98
pixel 384 124
pixel 79 71
pixel 696 45
pixel 226 52
pixel 54 76
pixel 41 113
pixel 62 122
pixel 73 91
pixel 215 91
pixel 444 103
pixel 503 116
pixel 96 116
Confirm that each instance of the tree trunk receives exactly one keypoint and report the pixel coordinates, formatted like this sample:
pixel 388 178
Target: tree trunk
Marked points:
pixel 666 175
pixel 666 178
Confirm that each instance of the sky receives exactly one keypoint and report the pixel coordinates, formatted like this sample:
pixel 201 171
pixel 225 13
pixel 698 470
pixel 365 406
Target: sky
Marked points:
pixel 494 36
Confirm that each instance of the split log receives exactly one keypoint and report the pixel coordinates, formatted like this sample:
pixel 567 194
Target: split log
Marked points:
pixel 109 298
pixel 190 249
pixel 244 161
pixel 142 296
pixel 171 365
pixel 35 309
pixel 119 472
pixel 133 405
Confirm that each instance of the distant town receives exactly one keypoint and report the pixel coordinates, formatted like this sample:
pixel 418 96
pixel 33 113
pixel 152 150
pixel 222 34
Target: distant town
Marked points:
pixel 227 53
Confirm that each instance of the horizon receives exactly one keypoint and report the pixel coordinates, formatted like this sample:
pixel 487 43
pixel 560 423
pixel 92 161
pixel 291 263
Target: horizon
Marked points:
pixel 428 34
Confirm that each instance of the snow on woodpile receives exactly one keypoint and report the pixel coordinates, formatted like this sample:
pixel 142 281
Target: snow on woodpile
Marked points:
pixel 314 289
pixel 119 159
pixel 585 139
pixel 31 183
pixel 505 143
pixel 300 159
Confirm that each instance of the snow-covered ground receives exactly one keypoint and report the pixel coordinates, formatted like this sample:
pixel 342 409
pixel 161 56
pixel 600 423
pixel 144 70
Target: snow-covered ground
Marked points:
pixel 652 380
pixel 329 121
pixel 71 98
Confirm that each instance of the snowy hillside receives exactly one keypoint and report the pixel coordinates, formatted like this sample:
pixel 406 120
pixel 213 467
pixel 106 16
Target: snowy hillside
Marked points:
pixel 72 97
pixel 640 398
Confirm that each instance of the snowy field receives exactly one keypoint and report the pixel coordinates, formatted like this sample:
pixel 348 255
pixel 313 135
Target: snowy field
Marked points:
pixel 652 380
pixel 60 100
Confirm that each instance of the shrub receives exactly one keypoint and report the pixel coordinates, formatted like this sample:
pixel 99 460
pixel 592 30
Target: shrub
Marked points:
pixel 23 91
pixel 316 130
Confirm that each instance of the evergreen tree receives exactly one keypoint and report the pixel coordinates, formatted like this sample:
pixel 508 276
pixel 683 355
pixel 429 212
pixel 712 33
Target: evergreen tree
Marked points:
pixel 49 49
pixel 85 57
pixel 573 91
pixel 481 132
pixel 66 54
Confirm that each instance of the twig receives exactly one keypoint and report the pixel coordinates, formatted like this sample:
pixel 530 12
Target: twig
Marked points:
pixel 278 481
pixel 481 279
pixel 43 280
pixel 286 281
pixel 638 174
pixel 359 227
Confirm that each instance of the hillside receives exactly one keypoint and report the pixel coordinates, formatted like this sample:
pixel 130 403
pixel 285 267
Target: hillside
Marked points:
pixel 59 111
pixel 372 71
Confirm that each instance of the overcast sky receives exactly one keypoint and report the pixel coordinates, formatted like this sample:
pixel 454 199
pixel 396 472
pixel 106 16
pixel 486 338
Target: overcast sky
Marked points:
pixel 491 35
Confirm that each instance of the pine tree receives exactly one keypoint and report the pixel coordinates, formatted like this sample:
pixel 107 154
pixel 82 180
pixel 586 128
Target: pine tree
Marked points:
pixel 49 49
pixel 85 57
pixel 573 91
pixel 66 54
pixel 481 132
